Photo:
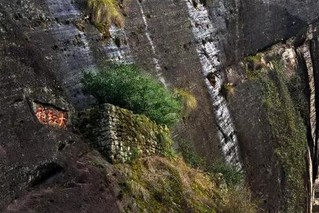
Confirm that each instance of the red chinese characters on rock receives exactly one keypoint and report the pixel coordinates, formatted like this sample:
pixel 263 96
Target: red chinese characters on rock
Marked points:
pixel 50 116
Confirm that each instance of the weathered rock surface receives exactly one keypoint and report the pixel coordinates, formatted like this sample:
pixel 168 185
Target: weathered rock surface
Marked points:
pixel 42 168
pixel 247 26
pixel 45 46
pixel 172 37
pixel 270 106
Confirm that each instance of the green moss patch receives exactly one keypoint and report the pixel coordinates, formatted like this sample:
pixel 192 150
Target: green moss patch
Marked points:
pixel 289 132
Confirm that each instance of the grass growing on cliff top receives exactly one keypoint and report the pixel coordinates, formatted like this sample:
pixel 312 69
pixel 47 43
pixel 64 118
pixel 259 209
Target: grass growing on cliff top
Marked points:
pixel 103 13
pixel 290 133
pixel 126 87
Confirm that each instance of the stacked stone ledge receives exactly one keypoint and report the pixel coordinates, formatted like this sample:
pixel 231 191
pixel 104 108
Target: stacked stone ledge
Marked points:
pixel 122 136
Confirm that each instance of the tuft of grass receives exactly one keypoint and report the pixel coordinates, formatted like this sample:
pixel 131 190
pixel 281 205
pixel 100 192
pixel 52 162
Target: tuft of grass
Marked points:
pixel 227 90
pixel 189 101
pixel 238 200
pixel 254 66
pixel 104 13
pixel 187 151
pixel 232 176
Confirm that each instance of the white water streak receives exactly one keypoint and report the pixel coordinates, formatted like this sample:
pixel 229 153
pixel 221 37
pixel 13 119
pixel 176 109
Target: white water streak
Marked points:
pixel 208 51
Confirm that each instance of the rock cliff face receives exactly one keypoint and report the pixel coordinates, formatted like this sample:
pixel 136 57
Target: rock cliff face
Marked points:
pixel 249 26
pixel 46 45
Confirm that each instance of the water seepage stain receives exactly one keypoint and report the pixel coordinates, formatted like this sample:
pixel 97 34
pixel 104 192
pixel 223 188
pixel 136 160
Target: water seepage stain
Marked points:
pixel 207 46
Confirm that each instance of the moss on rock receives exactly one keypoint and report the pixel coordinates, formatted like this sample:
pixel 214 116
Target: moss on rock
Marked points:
pixel 122 136
pixel 289 132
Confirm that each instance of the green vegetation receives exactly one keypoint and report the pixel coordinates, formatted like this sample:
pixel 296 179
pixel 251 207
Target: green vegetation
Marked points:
pixel 104 13
pixel 254 67
pixel 187 151
pixel 298 92
pixel 127 87
pixel 232 176
pixel 289 131
pixel 170 185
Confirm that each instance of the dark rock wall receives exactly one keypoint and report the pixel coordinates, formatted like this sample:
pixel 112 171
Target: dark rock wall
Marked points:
pixel 170 30
pixel 43 54
pixel 250 25
pixel 247 27
pixel 40 166
pixel 270 107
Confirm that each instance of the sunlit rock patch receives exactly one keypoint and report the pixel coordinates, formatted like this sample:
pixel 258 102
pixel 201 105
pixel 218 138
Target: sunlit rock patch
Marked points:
pixel 50 116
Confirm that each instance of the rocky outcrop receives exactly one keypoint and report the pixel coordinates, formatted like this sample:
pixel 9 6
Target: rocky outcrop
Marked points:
pixel 122 136
pixel 208 49
pixel 172 39
pixel 42 168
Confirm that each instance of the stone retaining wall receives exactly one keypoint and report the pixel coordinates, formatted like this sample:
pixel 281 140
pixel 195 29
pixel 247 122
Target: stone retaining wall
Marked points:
pixel 122 136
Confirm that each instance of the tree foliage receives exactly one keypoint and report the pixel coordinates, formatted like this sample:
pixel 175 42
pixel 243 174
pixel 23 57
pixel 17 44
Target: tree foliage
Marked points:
pixel 127 87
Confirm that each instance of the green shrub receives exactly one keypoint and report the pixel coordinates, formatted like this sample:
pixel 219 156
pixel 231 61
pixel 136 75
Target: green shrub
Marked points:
pixel 126 87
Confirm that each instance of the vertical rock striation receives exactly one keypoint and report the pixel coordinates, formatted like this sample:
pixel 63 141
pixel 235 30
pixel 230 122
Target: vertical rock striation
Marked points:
pixel 157 65
pixel 207 47
pixel 117 50
pixel 75 52
pixel 76 49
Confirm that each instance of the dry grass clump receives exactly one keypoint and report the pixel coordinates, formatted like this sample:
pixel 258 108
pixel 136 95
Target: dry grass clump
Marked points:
pixel 238 200
pixel 104 13
pixel 189 101
pixel 227 90
pixel 170 185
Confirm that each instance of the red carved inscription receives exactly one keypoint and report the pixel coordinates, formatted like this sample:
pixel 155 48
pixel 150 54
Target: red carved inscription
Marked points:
pixel 51 116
